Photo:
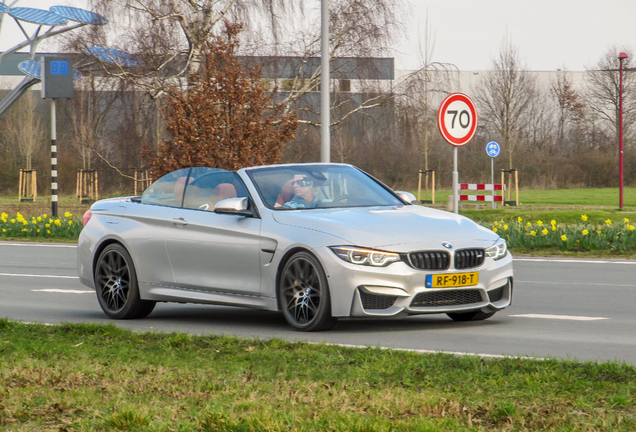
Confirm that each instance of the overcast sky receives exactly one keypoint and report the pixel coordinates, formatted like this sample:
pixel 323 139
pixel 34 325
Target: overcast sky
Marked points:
pixel 549 34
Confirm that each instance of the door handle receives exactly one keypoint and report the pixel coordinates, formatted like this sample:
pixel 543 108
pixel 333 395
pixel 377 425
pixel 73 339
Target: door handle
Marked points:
pixel 179 222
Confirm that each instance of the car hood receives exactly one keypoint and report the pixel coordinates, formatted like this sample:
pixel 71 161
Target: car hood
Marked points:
pixel 398 228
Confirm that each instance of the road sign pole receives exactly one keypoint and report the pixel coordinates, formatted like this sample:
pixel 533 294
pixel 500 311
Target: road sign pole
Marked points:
pixel 53 160
pixel 455 183
pixel 492 180
pixel 457 122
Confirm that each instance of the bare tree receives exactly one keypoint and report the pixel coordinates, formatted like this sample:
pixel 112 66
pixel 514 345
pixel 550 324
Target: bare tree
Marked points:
pixel 602 91
pixel 23 127
pixel 569 104
pixel 424 90
pixel 504 97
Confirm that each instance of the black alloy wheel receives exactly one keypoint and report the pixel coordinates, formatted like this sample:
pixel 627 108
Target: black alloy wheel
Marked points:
pixel 116 285
pixel 303 294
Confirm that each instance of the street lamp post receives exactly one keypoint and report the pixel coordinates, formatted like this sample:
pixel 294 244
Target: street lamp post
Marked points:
pixel 622 56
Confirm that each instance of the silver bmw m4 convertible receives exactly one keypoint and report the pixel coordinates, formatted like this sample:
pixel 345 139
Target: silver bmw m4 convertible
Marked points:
pixel 316 241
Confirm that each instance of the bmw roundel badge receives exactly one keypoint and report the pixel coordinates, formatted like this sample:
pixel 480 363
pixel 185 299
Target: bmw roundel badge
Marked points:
pixel 447 245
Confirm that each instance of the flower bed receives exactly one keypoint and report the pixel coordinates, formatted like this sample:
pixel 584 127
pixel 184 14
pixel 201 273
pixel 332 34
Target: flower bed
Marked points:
pixel 586 235
pixel 43 226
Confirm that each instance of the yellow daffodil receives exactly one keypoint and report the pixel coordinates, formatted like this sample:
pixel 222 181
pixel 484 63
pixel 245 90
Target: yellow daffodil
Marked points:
pixel 519 219
pixel 505 227
pixel 540 223
pixel 13 221
pixel 529 224
pixel 67 214
pixel 630 227
pixel 495 229
pixel 564 238
pixel 44 216
pixel 553 222
pixel 585 232
pixel 584 217
pixel 608 222
pixel 39 219
pixel 626 220
pixel 598 231
pixel 533 233
pixel 544 231
pixel 70 222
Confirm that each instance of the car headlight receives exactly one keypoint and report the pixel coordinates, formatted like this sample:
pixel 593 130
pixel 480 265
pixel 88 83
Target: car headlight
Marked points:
pixel 498 250
pixel 362 256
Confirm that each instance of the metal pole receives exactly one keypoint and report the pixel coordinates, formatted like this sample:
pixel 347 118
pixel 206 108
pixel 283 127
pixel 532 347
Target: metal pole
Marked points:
pixel 325 145
pixel 455 182
pixel 53 160
pixel 621 57
pixel 492 180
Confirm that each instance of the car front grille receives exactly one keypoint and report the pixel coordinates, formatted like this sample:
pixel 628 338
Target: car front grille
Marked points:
pixel 375 301
pixel 430 260
pixel 496 294
pixel 446 298
pixel 468 258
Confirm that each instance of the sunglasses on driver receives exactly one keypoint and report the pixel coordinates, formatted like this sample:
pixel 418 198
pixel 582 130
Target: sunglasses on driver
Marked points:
pixel 303 183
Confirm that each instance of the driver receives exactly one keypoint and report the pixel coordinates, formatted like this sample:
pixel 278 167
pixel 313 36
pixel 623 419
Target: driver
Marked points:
pixel 305 195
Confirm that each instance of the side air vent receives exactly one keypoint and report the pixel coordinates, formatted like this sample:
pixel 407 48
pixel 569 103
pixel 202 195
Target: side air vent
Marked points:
pixel 430 260
pixel 375 301
pixel 469 258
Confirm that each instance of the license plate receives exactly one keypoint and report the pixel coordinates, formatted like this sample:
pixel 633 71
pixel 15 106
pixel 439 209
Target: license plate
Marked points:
pixel 452 280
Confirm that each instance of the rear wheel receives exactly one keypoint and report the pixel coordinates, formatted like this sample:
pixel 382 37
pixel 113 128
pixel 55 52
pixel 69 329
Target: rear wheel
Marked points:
pixel 303 294
pixel 116 285
pixel 470 316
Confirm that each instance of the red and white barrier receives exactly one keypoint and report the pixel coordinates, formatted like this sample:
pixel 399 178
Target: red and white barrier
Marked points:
pixel 481 187
pixel 486 187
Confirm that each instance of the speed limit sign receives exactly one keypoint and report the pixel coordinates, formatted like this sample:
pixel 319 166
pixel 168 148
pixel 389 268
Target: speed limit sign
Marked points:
pixel 457 119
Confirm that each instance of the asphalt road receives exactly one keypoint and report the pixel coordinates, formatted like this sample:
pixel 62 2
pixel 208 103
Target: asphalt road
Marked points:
pixel 563 308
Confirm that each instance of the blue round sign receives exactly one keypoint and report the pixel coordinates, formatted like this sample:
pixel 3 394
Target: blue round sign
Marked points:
pixel 493 149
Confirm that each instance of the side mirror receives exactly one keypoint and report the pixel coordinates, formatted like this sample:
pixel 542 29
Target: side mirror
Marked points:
pixel 234 206
pixel 407 196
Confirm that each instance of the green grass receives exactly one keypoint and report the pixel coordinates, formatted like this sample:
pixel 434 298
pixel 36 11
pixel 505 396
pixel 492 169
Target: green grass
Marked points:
pixel 102 378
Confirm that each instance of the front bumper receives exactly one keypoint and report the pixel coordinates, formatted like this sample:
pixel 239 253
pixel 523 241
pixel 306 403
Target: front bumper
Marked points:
pixel 399 290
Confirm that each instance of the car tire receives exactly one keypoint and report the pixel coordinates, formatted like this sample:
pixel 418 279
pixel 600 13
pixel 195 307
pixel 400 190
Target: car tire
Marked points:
pixel 116 285
pixel 470 316
pixel 303 293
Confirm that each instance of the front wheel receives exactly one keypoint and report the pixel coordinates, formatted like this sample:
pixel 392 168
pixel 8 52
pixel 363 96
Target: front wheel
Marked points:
pixel 303 294
pixel 470 316
pixel 116 285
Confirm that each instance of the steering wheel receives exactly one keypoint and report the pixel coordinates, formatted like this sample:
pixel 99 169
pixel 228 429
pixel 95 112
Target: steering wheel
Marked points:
pixel 341 198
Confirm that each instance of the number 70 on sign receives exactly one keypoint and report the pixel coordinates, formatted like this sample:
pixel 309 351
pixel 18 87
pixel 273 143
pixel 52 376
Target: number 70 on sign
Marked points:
pixel 457 119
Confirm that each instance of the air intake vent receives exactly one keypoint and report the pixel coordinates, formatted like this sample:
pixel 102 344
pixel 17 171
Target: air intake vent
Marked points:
pixel 497 294
pixel 430 260
pixel 468 258
pixel 375 301
pixel 446 298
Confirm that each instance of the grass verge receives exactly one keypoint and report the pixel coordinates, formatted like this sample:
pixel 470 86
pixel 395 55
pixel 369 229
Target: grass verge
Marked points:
pixel 85 377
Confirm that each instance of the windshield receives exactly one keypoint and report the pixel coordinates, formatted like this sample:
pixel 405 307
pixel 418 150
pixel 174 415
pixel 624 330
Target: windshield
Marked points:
pixel 319 186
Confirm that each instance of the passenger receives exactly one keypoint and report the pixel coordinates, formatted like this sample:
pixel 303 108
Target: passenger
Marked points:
pixel 305 195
